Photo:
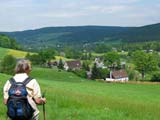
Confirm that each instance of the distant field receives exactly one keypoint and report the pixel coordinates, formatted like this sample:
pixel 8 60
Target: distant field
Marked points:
pixel 15 53
pixel 21 54
pixel 63 58
pixel 72 98
pixel 98 54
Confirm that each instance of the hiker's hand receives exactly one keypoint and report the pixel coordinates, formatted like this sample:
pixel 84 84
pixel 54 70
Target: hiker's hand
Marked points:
pixel 5 101
pixel 40 101
pixel 43 100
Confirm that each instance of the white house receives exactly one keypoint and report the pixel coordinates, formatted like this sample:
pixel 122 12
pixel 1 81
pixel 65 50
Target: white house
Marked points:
pixel 118 76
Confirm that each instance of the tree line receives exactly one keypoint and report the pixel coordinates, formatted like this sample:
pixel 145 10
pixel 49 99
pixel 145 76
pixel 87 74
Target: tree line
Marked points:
pixel 138 62
pixel 8 42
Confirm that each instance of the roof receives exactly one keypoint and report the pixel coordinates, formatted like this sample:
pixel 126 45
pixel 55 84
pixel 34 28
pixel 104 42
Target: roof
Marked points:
pixel 74 64
pixel 119 74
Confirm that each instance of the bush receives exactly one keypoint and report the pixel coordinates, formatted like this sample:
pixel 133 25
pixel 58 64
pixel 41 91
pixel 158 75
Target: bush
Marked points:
pixel 80 73
pixel 85 66
pixel 8 64
pixel 104 73
pixel 156 77
pixel 99 73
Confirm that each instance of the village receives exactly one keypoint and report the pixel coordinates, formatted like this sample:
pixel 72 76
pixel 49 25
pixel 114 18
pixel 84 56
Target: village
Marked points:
pixel 76 65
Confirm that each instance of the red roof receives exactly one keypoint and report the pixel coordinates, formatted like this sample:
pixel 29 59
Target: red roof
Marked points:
pixel 74 64
pixel 119 74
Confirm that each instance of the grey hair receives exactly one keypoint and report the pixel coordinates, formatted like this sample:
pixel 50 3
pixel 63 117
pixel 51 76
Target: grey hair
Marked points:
pixel 22 66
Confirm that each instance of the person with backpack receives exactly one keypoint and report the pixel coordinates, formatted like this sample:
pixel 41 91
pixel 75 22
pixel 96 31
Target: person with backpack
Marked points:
pixel 22 94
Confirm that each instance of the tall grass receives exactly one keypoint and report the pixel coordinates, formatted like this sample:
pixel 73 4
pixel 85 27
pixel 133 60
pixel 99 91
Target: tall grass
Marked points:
pixel 72 98
pixel 95 101
pixel 3 79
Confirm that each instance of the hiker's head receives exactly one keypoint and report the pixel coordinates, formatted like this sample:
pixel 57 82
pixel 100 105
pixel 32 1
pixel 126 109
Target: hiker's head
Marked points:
pixel 23 66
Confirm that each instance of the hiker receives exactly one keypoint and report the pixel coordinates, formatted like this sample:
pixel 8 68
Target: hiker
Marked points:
pixel 22 70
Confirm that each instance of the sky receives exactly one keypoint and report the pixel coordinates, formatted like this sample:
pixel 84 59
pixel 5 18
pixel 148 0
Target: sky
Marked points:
pixel 18 15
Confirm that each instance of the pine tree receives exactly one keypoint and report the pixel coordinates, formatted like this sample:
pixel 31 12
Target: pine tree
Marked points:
pixel 95 72
pixel 60 64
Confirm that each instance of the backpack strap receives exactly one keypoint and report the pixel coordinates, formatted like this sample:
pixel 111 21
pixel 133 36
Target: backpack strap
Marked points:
pixel 27 80
pixel 12 81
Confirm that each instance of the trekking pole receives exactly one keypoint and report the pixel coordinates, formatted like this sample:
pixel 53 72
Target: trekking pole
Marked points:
pixel 44 110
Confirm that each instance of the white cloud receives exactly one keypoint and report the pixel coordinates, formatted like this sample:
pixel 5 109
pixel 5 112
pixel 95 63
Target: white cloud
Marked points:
pixel 26 14
pixel 62 15
pixel 118 2
pixel 108 9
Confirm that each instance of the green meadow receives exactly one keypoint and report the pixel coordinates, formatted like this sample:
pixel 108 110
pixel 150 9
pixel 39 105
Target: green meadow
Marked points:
pixel 3 52
pixel 15 53
pixel 72 98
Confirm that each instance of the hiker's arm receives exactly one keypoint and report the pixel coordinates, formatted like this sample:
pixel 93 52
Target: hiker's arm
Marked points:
pixel 5 92
pixel 37 94
pixel 40 101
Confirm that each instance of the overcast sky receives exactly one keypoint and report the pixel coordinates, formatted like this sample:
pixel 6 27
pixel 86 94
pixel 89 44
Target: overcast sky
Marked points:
pixel 18 15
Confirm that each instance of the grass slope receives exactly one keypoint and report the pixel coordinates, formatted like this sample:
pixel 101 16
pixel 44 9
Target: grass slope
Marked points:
pixel 3 78
pixel 3 52
pixel 15 53
pixel 72 98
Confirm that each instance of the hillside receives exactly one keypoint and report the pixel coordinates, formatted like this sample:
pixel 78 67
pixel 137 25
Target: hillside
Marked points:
pixel 57 36
pixel 15 53
pixel 72 98
pixel 80 35
pixel 142 34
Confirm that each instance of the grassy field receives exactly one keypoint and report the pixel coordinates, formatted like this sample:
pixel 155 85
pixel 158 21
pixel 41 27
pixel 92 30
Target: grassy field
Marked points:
pixel 15 53
pixel 63 58
pixel 72 98
pixel 22 54
pixel 3 52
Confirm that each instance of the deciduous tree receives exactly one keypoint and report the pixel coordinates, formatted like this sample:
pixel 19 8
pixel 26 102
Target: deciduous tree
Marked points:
pixel 145 62
pixel 112 59
pixel 8 64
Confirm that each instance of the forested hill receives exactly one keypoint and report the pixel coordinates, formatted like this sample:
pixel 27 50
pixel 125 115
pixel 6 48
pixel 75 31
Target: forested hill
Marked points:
pixel 79 35
pixel 142 34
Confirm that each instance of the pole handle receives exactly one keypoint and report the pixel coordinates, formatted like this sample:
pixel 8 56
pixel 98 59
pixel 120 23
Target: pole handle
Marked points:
pixel 43 94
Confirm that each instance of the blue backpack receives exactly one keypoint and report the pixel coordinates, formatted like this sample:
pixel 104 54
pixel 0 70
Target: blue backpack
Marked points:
pixel 18 107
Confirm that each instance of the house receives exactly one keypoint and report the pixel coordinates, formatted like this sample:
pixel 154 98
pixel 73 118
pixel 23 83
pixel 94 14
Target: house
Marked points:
pixel 118 76
pixel 99 63
pixel 72 65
